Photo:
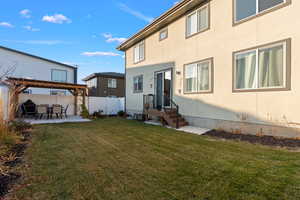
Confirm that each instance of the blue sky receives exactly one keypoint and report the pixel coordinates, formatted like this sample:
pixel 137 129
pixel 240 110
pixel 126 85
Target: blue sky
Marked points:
pixel 79 32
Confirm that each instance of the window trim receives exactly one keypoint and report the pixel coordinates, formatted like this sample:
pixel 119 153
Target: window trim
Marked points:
pixel 163 30
pixel 143 41
pixel 258 14
pixel 52 70
pixel 138 91
pixel 191 13
pixel 109 79
pixel 211 77
pixel 287 70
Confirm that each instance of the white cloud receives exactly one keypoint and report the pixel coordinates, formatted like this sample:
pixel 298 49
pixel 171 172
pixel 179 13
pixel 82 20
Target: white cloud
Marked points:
pixel 6 24
pixel 56 19
pixel 38 42
pixel 25 13
pixel 110 38
pixel 30 28
pixel 135 13
pixel 100 53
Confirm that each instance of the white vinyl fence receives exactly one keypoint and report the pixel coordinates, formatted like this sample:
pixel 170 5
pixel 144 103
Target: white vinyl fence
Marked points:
pixel 109 106
pixel 4 98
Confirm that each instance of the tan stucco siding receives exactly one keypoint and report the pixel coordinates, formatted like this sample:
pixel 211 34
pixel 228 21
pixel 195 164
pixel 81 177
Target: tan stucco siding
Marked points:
pixel 278 108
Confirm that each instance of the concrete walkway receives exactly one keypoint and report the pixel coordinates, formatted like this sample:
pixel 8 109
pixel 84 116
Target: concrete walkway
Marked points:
pixel 187 129
pixel 70 119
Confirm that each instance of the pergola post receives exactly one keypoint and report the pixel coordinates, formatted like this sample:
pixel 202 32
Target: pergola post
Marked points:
pixel 14 93
pixel 75 102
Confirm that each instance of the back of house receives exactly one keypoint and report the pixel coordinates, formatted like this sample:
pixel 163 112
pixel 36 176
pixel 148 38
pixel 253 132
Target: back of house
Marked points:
pixel 228 64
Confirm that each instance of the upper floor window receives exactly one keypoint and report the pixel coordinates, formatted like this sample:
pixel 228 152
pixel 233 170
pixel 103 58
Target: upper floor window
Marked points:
pixel 248 8
pixel 138 84
pixel 163 34
pixel 92 83
pixel 197 21
pixel 198 77
pixel 112 83
pixel 262 68
pixel 58 75
pixel 139 52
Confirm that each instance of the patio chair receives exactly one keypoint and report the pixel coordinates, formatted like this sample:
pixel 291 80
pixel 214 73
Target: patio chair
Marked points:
pixel 41 111
pixel 65 110
pixel 57 110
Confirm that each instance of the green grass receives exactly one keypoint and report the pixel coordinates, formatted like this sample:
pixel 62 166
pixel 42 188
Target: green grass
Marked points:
pixel 116 159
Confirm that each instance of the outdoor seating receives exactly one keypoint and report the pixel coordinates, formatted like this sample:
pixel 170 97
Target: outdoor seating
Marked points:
pixel 42 110
pixel 65 110
pixel 57 110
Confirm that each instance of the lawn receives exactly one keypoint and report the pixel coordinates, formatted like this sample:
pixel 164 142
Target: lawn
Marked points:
pixel 117 159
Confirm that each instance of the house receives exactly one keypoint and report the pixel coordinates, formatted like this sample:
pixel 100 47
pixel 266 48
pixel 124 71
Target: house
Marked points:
pixel 228 64
pixel 23 65
pixel 106 84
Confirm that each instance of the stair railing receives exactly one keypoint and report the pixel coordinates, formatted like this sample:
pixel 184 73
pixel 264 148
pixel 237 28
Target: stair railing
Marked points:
pixel 173 105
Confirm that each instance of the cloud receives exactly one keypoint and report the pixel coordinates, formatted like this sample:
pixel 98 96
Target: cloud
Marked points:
pixel 135 13
pixel 100 53
pixel 56 19
pixel 6 24
pixel 38 42
pixel 110 38
pixel 29 28
pixel 25 13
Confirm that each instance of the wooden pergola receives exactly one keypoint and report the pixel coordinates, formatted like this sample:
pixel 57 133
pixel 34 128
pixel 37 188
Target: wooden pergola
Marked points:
pixel 18 85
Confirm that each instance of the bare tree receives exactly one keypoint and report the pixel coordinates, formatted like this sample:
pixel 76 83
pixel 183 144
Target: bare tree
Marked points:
pixel 6 71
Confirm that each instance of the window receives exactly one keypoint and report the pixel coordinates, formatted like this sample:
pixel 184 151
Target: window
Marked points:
pixel 197 21
pixel 139 52
pixel 163 34
pixel 198 77
pixel 58 93
pixel 92 83
pixel 58 75
pixel 112 83
pixel 262 68
pixel 138 84
pixel 27 91
pixel 247 8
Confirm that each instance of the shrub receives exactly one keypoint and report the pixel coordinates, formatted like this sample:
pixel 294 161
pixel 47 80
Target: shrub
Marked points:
pixel 19 126
pixel 84 111
pixel 7 137
pixel 121 113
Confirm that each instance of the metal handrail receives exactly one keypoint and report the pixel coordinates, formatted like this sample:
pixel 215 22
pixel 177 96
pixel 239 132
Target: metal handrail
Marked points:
pixel 173 104
pixel 149 103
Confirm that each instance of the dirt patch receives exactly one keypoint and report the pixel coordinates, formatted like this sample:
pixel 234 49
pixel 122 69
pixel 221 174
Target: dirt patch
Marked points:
pixel 264 140
pixel 6 181
pixel 9 161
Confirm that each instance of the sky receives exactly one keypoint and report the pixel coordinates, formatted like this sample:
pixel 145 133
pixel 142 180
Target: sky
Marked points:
pixel 76 32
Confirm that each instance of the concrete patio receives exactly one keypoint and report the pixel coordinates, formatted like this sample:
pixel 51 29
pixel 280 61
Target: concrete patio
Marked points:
pixel 70 119
pixel 186 129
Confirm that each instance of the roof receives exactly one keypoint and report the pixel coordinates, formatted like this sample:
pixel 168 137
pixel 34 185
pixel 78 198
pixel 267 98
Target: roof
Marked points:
pixel 105 74
pixel 44 84
pixel 162 21
pixel 37 57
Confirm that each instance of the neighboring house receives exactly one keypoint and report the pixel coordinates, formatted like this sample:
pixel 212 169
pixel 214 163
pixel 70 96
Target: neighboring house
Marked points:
pixel 227 64
pixel 107 84
pixel 24 65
